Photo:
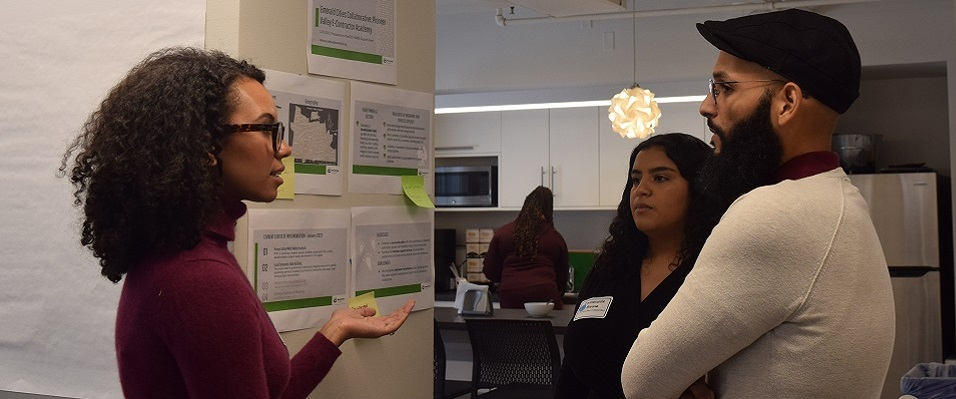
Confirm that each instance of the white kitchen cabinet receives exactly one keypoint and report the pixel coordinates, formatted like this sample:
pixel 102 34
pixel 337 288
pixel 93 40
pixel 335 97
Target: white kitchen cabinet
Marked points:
pixel 616 151
pixel 557 149
pixel 574 157
pixel 467 134
pixel 523 164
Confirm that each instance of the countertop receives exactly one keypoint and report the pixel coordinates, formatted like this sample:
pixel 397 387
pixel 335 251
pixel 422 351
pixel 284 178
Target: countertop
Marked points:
pixel 449 319
pixel 449 296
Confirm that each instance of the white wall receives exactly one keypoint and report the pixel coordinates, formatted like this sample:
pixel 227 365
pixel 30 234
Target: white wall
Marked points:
pixel 60 59
pixel 273 34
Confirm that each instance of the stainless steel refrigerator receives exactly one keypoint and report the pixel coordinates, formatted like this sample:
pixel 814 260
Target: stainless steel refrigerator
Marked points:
pixel 906 209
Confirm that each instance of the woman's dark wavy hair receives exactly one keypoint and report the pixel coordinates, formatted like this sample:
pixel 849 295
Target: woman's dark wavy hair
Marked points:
pixel 626 246
pixel 539 203
pixel 141 163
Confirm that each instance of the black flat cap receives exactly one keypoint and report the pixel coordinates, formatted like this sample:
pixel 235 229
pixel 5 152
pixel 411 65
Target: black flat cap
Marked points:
pixel 815 52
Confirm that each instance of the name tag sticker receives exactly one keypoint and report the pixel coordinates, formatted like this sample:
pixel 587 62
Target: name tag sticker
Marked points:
pixel 594 308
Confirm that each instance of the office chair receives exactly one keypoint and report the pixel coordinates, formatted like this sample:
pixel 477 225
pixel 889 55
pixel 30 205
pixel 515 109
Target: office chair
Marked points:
pixel 445 389
pixel 518 357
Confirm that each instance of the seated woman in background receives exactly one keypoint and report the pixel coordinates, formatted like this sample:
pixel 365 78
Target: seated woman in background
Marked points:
pixel 528 256
pixel 161 169
pixel 654 240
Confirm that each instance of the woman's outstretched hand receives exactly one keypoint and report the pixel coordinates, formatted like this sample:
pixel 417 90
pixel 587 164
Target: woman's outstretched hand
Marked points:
pixel 359 323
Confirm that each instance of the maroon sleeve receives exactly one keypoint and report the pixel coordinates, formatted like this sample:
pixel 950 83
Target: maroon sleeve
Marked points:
pixel 310 366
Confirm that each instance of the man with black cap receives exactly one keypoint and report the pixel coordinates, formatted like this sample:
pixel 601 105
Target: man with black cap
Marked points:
pixel 790 297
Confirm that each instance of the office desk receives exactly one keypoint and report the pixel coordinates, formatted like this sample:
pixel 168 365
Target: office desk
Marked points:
pixel 449 319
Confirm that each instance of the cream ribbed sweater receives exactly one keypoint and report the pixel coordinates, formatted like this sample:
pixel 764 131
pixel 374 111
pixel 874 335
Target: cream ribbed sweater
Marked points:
pixel 790 298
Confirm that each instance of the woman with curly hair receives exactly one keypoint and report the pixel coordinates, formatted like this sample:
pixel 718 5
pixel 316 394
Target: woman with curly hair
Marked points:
pixel 528 256
pixel 660 228
pixel 160 170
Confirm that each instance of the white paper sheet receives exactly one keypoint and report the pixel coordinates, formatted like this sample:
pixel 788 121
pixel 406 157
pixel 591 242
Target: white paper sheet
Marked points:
pixel 392 253
pixel 60 59
pixel 312 111
pixel 353 39
pixel 391 135
pixel 300 263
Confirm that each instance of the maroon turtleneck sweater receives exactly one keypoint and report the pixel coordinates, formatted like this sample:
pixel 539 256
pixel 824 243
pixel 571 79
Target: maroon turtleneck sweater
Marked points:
pixel 189 324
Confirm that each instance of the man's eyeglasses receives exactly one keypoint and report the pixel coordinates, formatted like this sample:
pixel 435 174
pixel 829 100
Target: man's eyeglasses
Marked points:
pixel 712 86
pixel 277 130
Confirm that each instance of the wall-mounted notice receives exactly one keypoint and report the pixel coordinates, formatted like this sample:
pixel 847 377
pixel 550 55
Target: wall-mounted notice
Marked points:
pixel 353 39
pixel 392 255
pixel 311 109
pixel 391 136
pixel 300 260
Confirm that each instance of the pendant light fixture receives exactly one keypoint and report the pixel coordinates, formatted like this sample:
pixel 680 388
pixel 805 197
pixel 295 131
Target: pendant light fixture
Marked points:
pixel 633 111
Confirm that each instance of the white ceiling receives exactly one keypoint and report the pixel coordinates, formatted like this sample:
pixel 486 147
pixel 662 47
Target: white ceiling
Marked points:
pixel 652 13
pixel 446 7
pixel 475 55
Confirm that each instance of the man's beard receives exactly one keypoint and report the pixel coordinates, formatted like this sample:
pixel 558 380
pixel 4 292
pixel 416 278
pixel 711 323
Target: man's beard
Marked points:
pixel 749 156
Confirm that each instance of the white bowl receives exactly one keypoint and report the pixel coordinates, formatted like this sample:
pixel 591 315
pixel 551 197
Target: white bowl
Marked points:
pixel 538 309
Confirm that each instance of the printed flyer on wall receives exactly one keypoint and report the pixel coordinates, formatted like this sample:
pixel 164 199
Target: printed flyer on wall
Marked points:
pixel 393 255
pixel 353 39
pixel 311 110
pixel 391 137
pixel 300 260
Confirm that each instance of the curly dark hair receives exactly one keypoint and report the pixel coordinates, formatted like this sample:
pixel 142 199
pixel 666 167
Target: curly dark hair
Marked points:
pixel 626 246
pixel 537 205
pixel 141 163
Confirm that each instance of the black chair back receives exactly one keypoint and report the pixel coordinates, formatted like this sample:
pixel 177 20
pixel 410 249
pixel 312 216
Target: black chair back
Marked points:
pixel 515 353
pixel 445 389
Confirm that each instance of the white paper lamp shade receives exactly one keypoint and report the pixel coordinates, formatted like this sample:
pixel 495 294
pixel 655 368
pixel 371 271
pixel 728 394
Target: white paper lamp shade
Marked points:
pixel 634 113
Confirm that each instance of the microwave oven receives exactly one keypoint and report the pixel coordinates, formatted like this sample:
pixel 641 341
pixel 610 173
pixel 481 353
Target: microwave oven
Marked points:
pixel 468 186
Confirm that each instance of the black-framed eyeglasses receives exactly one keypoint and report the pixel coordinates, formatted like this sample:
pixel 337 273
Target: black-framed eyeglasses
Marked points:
pixel 715 91
pixel 277 129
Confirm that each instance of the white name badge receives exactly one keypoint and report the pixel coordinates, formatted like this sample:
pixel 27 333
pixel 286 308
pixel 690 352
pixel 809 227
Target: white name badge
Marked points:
pixel 594 308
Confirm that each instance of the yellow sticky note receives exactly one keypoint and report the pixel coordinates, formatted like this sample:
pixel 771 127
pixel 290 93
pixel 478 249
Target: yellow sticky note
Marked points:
pixel 287 189
pixel 414 188
pixel 366 299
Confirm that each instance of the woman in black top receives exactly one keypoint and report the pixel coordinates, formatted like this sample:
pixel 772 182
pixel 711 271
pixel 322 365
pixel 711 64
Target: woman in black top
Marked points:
pixel 654 241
